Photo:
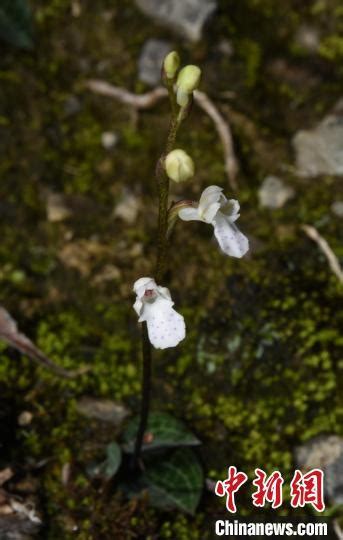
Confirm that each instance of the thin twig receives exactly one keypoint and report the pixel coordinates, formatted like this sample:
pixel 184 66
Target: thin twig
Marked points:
pixel 149 99
pixel 224 132
pixel 338 530
pixel 138 101
pixel 10 334
pixel 326 249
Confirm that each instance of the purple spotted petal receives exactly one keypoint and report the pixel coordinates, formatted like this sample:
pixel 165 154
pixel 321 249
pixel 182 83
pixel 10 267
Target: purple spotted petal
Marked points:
pixel 230 239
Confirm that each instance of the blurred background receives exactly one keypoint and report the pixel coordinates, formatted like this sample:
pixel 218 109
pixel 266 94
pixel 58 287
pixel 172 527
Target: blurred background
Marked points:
pixel 258 378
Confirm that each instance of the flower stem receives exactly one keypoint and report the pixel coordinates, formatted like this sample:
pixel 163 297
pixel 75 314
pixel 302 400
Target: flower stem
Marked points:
pixel 163 186
pixel 146 392
pixel 162 248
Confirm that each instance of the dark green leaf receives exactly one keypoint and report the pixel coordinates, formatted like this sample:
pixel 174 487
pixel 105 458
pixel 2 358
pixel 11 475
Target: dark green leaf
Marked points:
pixel 108 468
pixel 163 431
pixel 175 482
pixel 16 23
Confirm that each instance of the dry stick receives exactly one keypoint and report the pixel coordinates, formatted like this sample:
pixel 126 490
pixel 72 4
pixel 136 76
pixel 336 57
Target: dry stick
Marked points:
pixel 138 101
pixel 149 99
pixel 326 249
pixel 337 529
pixel 37 356
pixel 10 334
pixel 231 164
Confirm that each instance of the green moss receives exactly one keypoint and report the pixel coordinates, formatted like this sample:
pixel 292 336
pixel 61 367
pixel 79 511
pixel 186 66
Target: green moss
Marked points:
pixel 55 9
pixel 182 528
pixel 332 48
pixel 250 52
pixel 259 372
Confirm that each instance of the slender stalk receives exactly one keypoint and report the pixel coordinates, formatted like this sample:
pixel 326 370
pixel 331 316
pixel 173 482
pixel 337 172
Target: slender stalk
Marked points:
pixel 162 248
pixel 163 185
pixel 146 393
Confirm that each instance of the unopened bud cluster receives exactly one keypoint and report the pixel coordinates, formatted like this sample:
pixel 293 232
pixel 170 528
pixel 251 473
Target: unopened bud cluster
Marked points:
pixel 178 164
pixel 186 81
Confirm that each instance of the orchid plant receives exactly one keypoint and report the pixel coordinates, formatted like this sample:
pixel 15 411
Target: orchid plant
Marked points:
pixel 162 325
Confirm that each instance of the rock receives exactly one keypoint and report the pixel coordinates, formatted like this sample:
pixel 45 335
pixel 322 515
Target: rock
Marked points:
pixel 307 37
pixel 15 527
pixel 151 59
pixel 298 76
pixel 109 140
pixel 72 106
pixel 326 453
pixel 5 509
pixel 60 206
pixel 102 409
pixel 274 193
pixel 320 151
pixel 128 208
pixel 5 475
pixel 25 418
pixel 28 485
pixel 108 15
pixel 57 208
pixel 337 208
pixel 186 18
pixel 108 273
pixel 25 510
pixel 76 8
pixel 83 255
pixel 136 250
pixel 226 48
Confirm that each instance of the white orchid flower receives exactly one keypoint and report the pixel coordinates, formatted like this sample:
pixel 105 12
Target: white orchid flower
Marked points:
pixel 166 327
pixel 216 209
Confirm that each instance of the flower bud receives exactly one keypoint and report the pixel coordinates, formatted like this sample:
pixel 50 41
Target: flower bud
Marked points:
pixel 179 166
pixel 187 81
pixel 171 64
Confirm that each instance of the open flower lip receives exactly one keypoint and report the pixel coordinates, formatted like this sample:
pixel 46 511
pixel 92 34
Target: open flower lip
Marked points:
pixel 153 305
pixel 222 213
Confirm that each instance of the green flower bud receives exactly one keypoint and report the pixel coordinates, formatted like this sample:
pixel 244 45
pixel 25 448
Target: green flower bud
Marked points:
pixel 179 166
pixel 187 81
pixel 171 64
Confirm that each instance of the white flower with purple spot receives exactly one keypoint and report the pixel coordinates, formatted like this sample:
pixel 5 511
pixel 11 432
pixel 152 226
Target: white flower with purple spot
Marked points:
pixel 216 209
pixel 166 327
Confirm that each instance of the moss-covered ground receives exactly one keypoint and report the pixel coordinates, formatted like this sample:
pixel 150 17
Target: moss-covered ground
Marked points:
pixel 259 371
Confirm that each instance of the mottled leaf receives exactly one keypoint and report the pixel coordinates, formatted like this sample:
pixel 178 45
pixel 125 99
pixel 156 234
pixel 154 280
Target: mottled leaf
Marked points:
pixel 163 431
pixel 16 23
pixel 175 481
pixel 108 468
